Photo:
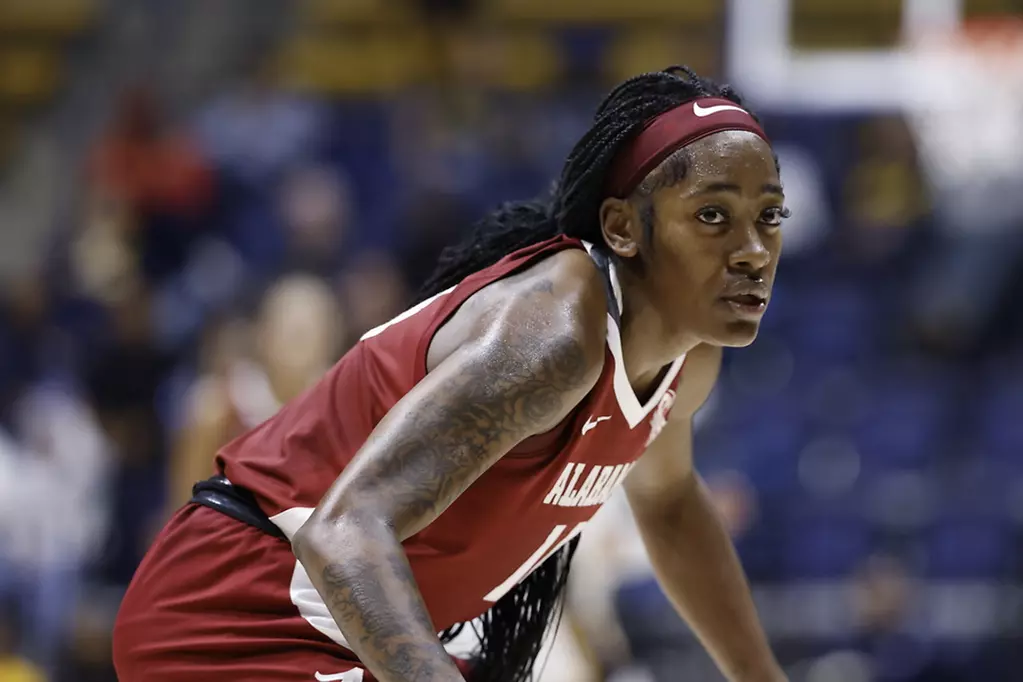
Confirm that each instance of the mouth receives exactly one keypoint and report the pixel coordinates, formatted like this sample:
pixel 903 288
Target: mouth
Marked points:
pixel 749 306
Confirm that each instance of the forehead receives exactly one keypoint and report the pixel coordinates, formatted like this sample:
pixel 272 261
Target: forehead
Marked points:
pixel 731 154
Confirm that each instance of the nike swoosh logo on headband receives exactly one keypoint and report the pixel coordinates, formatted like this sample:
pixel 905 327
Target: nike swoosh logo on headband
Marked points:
pixel 710 111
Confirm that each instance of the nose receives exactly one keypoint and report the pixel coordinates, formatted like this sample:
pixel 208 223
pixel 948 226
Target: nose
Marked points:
pixel 748 254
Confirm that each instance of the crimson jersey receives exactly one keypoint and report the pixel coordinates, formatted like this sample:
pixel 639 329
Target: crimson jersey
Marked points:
pixel 520 511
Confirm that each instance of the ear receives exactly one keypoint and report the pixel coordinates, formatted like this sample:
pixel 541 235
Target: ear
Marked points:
pixel 620 225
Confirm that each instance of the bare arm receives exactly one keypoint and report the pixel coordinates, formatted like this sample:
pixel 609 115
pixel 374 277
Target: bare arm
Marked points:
pixel 531 362
pixel 691 551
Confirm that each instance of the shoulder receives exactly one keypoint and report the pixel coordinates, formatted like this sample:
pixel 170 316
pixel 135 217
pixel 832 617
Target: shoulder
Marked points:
pixel 572 292
pixel 558 309
pixel 550 317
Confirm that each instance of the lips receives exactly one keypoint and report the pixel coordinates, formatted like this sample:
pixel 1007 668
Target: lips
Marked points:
pixel 747 299
pixel 750 294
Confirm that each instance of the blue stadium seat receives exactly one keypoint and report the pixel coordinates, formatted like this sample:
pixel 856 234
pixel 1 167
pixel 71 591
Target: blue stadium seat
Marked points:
pixel 782 309
pixel 905 420
pixel 1001 421
pixel 834 323
pixel 760 552
pixel 980 487
pixel 829 341
pixel 771 455
pixel 825 546
pixel 968 548
pixel 891 442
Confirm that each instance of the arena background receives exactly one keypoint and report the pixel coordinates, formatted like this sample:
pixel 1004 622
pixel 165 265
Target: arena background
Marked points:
pixel 203 202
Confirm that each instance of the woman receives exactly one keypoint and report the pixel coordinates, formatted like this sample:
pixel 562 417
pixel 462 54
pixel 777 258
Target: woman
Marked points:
pixel 442 470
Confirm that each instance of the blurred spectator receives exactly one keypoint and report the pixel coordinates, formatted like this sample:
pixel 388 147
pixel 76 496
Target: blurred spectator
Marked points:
pixel 255 130
pixel 141 162
pixel 624 624
pixel 124 380
pixel 53 469
pixel 156 174
pixel 56 485
pixel 102 260
pixel 23 334
pixel 884 193
pixel 299 332
pixel 840 666
pixel 89 656
pixel 298 337
pixel 14 668
pixel 735 500
pixel 439 143
pixel 374 272
pixel 882 595
pixel 610 557
pixel 431 222
pixel 316 207
pixel 262 140
pixel 211 416
pixel 883 599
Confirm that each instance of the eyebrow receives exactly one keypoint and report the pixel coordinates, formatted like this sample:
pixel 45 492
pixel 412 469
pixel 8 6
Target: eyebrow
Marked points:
pixel 767 188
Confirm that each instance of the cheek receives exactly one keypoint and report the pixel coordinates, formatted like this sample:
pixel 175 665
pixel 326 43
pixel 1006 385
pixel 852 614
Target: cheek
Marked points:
pixel 688 261
pixel 774 245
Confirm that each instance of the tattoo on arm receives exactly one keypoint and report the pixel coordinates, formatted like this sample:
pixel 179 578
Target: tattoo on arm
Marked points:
pixel 464 417
pixel 389 616
pixel 507 390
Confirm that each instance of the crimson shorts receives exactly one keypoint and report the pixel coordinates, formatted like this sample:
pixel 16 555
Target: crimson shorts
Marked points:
pixel 210 603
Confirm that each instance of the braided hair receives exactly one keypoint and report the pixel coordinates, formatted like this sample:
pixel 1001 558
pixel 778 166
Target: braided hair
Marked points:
pixel 513 631
pixel 572 208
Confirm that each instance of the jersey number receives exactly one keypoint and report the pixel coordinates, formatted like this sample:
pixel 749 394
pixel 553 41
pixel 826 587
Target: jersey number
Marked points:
pixel 555 541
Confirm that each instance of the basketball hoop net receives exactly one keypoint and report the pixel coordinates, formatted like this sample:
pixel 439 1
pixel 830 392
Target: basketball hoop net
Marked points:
pixel 966 104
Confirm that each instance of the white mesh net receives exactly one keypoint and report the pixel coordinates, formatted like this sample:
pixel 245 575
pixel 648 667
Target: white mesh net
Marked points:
pixel 967 112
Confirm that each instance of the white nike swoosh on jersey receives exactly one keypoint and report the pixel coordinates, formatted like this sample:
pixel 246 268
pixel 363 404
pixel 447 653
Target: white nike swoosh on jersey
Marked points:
pixel 710 111
pixel 591 423
pixel 353 675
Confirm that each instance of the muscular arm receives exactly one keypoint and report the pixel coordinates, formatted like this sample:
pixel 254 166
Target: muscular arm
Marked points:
pixel 689 547
pixel 531 361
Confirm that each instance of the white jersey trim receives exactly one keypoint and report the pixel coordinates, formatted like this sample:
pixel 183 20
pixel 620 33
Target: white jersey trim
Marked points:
pixel 290 520
pixel 405 315
pixel 633 411
pixel 629 404
pixel 303 593
pixel 310 604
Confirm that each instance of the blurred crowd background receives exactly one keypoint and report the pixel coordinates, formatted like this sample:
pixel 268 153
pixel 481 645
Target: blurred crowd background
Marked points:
pixel 203 204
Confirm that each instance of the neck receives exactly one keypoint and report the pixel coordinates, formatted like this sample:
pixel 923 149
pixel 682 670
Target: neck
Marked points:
pixel 648 341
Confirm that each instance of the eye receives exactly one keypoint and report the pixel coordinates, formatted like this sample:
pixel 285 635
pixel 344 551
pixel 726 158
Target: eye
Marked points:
pixel 774 216
pixel 711 216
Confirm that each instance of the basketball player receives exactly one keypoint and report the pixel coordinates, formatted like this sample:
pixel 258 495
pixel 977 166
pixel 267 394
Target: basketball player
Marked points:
pixel 441 471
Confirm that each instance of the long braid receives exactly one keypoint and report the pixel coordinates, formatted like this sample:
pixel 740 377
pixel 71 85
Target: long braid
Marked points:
pixel 508 229
pixel 513 631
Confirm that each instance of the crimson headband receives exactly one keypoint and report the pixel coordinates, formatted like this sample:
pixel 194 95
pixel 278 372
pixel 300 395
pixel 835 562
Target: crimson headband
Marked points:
pixel 672 130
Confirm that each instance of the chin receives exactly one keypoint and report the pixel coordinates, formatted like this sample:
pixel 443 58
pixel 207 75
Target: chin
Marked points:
pixel 737 334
